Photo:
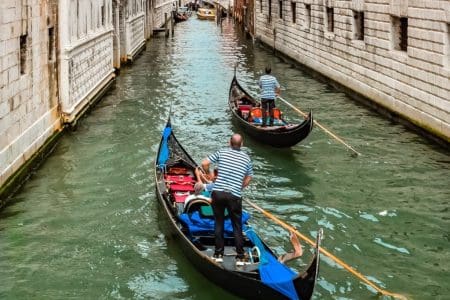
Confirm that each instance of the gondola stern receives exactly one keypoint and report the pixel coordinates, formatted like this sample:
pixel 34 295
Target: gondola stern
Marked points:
pixel 305 283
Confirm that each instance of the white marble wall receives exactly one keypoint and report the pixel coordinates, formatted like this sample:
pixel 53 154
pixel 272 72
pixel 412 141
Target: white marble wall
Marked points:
pixel 28 110
pixel 86 45
pixel 413 83
pixel 134 27
pixel 160 8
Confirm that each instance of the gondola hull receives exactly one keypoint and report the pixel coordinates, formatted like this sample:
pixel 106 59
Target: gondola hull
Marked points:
pixel 276 136
pixel 230 281
pixel 244 284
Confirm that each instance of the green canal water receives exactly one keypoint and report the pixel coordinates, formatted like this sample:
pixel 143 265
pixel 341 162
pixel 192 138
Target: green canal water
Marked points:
pixel 87 224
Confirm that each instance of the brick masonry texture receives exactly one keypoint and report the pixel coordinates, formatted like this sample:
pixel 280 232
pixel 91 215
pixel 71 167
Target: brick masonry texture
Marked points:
pixel 413 83
pixel 28 106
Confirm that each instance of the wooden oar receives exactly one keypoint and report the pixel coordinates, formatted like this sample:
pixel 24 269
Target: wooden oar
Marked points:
pixel 325 252
pixel 322 127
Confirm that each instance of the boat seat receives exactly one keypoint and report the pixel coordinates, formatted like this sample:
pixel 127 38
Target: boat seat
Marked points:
pixel 180 179
pixel 245 107
pixel 182 187
pixel 244 110
pixel 180 197
pixel 196 204
pixel 178 171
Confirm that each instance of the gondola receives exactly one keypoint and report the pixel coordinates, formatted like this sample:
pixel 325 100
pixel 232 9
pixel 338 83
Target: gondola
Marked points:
pixel 182 14
pixel 247 113
pixel 192 225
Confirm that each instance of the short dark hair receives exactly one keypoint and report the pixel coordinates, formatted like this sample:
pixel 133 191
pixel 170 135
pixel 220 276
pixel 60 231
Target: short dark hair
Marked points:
pixel 268 70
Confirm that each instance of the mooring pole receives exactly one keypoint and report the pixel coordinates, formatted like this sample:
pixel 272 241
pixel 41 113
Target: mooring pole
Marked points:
pixel 166 24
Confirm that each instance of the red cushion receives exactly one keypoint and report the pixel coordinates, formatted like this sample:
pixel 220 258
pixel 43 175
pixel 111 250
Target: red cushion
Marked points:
pixel 245 107
pixel 180 197
pixel 179 178
pixel 182 187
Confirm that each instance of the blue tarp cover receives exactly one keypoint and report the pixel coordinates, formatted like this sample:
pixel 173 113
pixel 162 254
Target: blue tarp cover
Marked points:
pixel 198 224
pixel 273 273
pixel 164 152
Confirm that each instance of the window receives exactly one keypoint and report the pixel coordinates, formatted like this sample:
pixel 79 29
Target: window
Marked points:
pixel 270 11
pixel 78 19
pixel 294 12
pixel 447 44
pixel 308 15
pixel 358 25
pixel 23 54
pixel 102 13
pixel 400 33
pixel 330 19
pixel 280 11
pixel 261 6
pixel 51 43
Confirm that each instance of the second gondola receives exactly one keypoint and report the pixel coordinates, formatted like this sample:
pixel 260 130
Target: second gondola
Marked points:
pixel 246 111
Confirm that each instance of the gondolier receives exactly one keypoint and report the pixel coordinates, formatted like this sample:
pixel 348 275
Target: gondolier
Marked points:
pixel 235 172
pixel 270 89
pixel 246 112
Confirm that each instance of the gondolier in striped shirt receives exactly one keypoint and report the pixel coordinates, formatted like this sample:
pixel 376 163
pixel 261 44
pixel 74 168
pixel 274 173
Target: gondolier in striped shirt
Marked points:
pixel 235 171
pixel 270 89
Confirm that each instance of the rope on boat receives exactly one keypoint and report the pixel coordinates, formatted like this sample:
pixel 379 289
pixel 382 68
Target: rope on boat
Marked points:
pixel 322 127
pixel 325 252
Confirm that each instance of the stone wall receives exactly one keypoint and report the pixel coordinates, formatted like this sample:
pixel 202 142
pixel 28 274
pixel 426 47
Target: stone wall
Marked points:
pixel 86 47
pixel 134 28
pixel 160 8
pixel 394 52
pixel 28 104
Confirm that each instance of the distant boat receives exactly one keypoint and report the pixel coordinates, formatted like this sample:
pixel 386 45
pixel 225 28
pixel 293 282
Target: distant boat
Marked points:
pixel 206 14
pixel 191 223
pixel 247 113
pixel 182 14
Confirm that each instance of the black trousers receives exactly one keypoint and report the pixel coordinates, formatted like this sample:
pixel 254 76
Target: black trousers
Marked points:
pixel 220 201
pixel 267 105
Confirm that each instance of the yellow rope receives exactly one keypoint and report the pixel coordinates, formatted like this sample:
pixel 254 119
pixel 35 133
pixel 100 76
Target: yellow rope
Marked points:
pixel 334 258
pixel 321 126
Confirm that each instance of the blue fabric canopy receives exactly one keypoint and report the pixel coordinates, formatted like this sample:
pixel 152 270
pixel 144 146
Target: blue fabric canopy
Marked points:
pixel 164 152
pixel 273 273
pixel 197 224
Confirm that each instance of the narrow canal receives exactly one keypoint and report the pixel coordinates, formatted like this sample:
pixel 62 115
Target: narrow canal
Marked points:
pixel 87 226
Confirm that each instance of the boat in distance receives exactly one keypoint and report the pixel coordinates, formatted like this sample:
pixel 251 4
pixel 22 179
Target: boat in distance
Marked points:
pixel 206 14
pixel 247 113
pixel 191 222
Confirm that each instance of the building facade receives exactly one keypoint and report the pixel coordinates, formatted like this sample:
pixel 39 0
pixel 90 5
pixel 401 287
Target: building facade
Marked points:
pixel 395 53
pixel 244 14
pixel 29 109
pixel 86 53
pixel 57 58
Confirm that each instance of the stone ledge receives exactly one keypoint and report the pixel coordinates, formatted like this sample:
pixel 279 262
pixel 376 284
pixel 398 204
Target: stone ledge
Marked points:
pixel 13 184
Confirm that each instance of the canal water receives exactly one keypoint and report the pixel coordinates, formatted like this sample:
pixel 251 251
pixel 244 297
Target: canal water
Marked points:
pixel 87 225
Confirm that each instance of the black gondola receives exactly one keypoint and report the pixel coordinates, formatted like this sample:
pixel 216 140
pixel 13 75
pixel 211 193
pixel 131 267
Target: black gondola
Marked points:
pixel 282 134
pixel 175 178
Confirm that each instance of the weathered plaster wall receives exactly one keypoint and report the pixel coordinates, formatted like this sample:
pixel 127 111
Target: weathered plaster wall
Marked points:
pixel 414 83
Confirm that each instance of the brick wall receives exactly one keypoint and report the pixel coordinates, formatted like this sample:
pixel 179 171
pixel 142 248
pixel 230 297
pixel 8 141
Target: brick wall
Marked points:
pixel 413 83
pixel 28 108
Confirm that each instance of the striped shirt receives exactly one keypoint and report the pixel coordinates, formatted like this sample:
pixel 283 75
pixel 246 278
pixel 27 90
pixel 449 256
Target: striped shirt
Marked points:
pixel 268 84
pixel 233 166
